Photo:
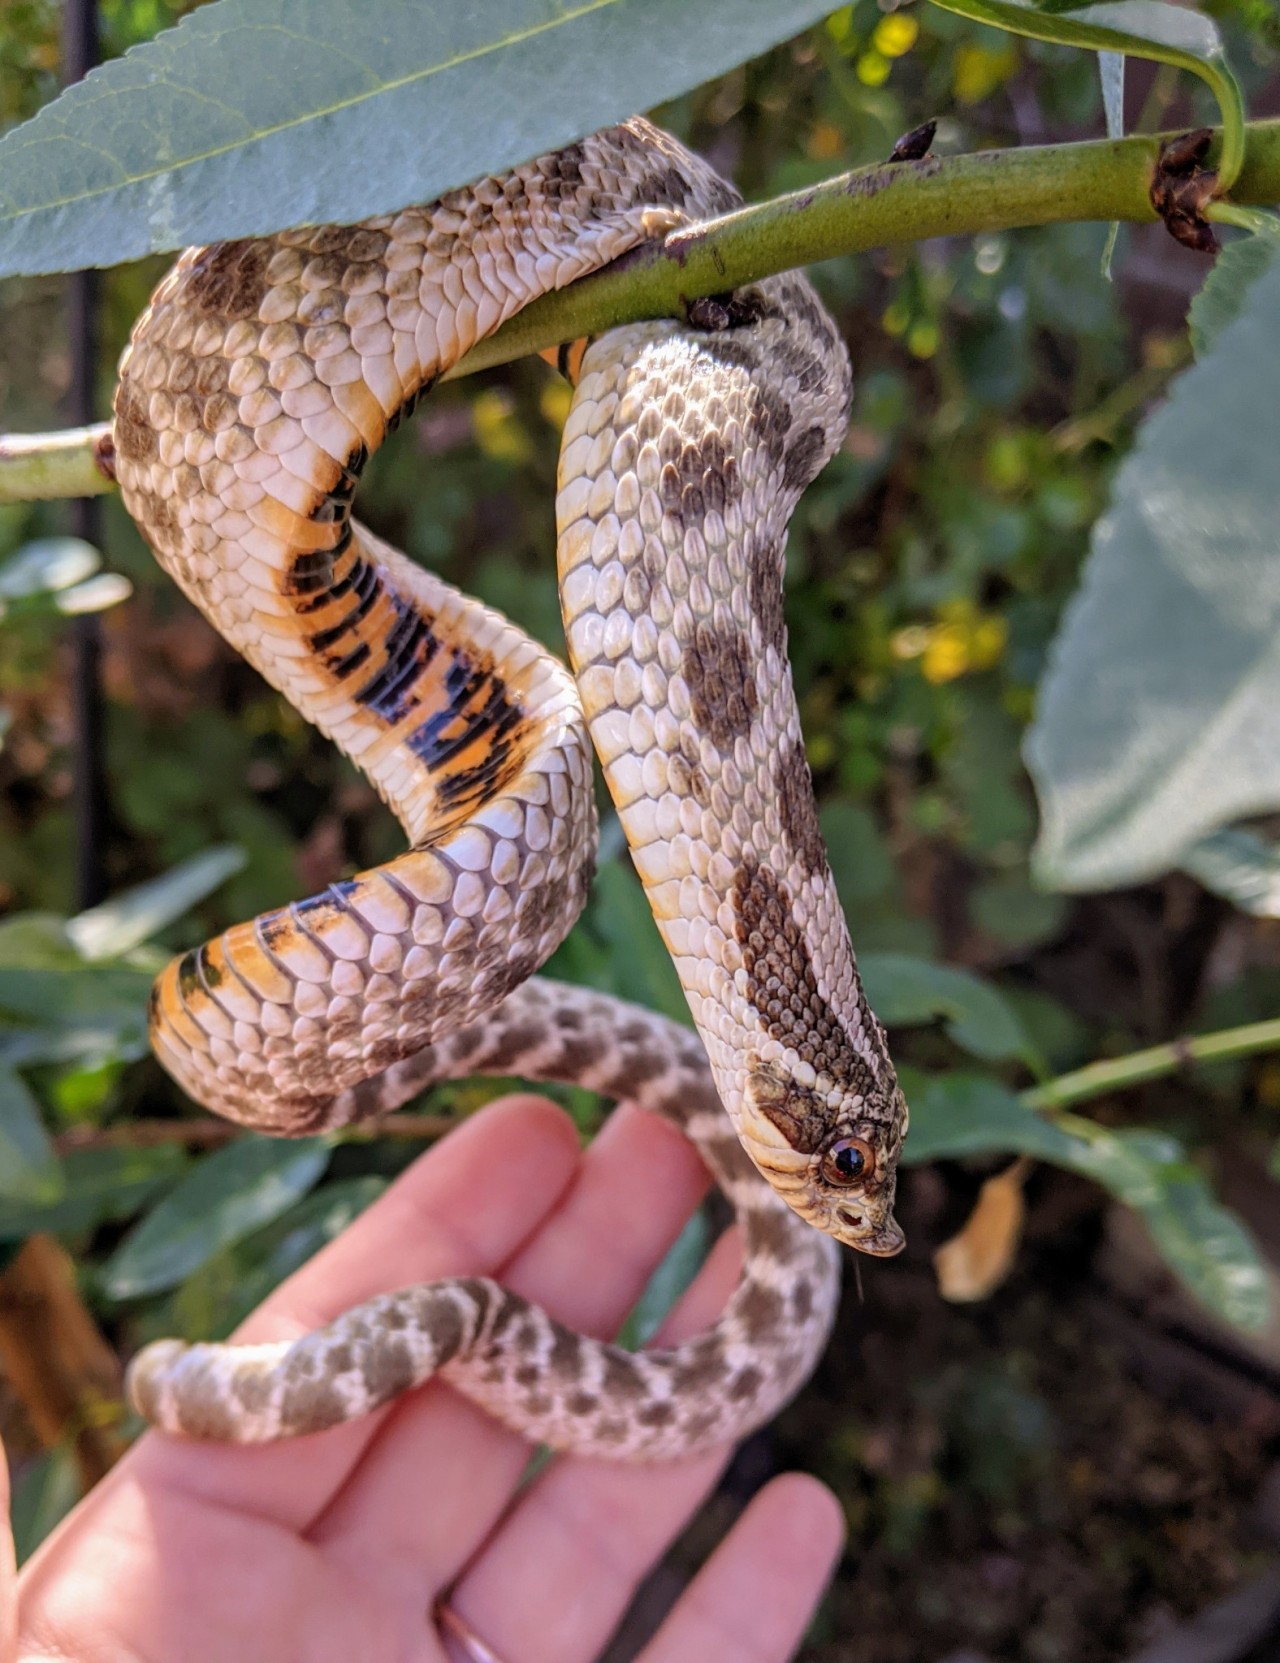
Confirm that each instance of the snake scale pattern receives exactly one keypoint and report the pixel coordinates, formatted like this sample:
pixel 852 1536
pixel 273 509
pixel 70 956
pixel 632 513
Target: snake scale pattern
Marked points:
pixel 257 383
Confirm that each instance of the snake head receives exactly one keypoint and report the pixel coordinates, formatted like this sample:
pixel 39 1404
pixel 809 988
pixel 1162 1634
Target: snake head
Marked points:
pixel 832 1155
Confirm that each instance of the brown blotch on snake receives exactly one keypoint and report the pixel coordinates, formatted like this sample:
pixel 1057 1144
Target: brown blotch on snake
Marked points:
pixel 796 809
pixel 685 774
pixel 781 984
pixel 229 280
pixel 697 477
pixel 764 593
pixel 720 673
pixel 802 458
pixel 135 437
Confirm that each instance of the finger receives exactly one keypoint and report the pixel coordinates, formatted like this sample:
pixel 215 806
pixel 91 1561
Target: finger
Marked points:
pixel 463 1208
pixel 449 1214
pixel 588 1265
pixel 557 1575
pixel 754 1597
pixel 8 1572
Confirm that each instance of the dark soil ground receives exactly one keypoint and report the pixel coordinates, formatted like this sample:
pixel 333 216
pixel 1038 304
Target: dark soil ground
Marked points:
pixel 1059 1475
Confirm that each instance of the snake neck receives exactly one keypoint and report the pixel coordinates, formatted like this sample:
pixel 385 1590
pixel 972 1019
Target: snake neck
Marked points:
pixel 683 459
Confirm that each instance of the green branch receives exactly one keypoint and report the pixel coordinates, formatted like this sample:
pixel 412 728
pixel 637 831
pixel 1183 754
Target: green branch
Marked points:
pixel 956 196
pixel 36 467
pixel 994 190
pixel 1116 1073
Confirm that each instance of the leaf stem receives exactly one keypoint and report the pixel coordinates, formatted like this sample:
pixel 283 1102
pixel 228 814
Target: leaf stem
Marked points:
pixel 1115 1073
pixel 1254 220
pixel 992 190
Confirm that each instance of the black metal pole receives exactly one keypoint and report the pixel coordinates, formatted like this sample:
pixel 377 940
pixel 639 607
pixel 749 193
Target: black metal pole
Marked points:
pixel 79 54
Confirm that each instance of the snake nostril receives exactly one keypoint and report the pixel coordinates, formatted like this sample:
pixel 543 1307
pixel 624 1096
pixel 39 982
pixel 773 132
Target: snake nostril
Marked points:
pixel 854 1220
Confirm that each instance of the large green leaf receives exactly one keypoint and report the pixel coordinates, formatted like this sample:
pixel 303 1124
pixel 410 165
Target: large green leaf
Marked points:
pixel 44 1494
pixel 127 920
pixel 258 1265
pixel 640 966
pixel 1203 1242
pixel 36 941
pixel 47 565
pixel 1157 718
pixel 1169 34
pixel 1221 297
pixel 256 114
pixel 29 1170
pixel 98 1185
pixel 1241 867
pixel 953 1115
pixel 905 990
pixel 91 1011
pixel 231 1193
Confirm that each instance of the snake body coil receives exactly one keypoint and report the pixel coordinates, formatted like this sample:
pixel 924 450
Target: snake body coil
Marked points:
pixel 255 386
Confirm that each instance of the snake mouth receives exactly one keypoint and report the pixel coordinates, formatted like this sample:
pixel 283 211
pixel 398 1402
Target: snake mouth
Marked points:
pixel 881 1241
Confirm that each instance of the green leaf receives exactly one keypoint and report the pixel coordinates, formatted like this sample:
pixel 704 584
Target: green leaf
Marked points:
pixel 953 1115
pixel 1156 719
pixel 47 565
pixel 1140 29
pixel 1203 1242
pixel 1015 914
pixel 904 990
pixel 118 925
pixel 47 1491
pixel 1111 74
pixel 29 1169
pixel 230 1193
pixel 275 1253
pixel 1241 867
pixel 96 594
pixel 100 1186
pixel 683 1260
pixel 1221 297
pixel 98 1013
pixel 36 941
pixel 256 114
pixel 640 966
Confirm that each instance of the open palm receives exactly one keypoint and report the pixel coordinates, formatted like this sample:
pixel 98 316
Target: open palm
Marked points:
pixel 339 1546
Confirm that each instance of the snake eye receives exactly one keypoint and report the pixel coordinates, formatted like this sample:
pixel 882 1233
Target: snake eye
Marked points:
pixel 849 1161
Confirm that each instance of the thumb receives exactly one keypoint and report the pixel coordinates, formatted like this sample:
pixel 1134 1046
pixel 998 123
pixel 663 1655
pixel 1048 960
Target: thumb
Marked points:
pixel 8 1573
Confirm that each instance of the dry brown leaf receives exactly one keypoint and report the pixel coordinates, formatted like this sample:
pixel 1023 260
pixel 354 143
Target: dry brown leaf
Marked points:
pixel 974 1263
pixel 65 1374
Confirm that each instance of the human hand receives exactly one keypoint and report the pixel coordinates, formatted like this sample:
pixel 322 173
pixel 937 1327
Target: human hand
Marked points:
pixel 340 1546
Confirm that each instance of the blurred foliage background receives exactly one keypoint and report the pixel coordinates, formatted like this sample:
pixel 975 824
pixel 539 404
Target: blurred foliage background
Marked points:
pixel 1066 1471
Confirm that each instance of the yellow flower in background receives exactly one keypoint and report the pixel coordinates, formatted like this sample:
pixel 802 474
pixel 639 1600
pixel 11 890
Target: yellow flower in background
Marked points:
pixel 554 401
pixel 923 338
pixel 497 429
pixel 825 142
pixel 963 640
pixel 895 34
pixel 872 68
pixel 977 71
